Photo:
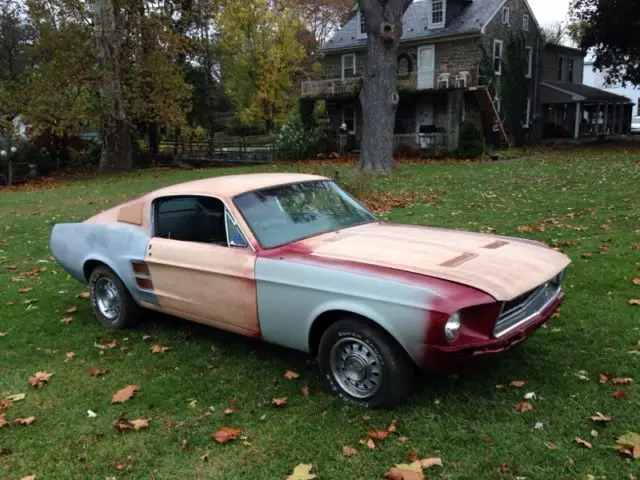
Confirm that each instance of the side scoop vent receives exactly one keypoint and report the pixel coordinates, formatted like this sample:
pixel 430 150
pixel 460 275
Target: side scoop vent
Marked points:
pixel 459 260
pixel 496 244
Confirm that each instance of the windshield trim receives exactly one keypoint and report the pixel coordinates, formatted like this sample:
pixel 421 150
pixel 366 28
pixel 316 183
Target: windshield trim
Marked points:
pixel 253 233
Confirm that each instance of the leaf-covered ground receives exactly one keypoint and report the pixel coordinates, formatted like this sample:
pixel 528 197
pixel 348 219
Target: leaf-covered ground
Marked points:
pixel 111 405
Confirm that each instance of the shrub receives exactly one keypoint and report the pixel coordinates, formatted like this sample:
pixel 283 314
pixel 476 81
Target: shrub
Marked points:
pixel 471 143
pixel 294 141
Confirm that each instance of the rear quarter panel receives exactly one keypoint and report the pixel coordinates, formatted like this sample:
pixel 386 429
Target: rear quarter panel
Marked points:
pixel 292 294
pixel 114 244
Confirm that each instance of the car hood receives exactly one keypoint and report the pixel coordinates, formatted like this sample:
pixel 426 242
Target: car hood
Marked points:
pixel 503 267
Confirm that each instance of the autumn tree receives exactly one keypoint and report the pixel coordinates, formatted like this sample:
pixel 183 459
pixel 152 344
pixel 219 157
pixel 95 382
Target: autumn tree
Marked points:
pixel 260 56
pixel 611 30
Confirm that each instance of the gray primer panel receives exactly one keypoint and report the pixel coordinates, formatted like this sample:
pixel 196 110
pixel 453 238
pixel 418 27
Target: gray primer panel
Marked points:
pixel 291 295
pixel 115 245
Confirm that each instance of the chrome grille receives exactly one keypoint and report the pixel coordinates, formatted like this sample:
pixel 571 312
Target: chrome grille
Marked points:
pixel 523 307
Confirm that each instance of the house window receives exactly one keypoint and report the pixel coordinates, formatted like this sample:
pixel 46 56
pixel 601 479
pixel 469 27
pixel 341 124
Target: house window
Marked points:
pixel 496 103
pixel 525 22
pixel 527 112
pixel 497 57
pixel 437 13
pixel 348 65
pixel 528 51
pixel 560 75
pixel 349 118
pixel 362 27
pixel 505 15
pixel 191 219
pixel 570 69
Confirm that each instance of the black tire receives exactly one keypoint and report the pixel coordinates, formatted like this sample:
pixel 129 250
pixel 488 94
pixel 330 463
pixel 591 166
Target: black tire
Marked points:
pixel 129 313
pixel 396 369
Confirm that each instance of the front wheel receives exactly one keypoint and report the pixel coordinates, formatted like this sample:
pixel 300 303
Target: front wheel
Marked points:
pixel 111 301
pixel 364 365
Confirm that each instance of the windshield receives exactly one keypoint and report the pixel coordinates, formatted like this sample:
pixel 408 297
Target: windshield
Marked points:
pixel 287 213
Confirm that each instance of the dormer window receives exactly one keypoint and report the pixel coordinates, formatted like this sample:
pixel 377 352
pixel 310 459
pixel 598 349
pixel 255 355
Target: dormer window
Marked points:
pixel 360 25
pixel 525 22
pixel 437 13
pixel 505 15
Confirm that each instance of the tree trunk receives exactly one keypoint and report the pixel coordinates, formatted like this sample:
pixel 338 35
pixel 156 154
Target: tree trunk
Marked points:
pixel 116 137
pixel 379 95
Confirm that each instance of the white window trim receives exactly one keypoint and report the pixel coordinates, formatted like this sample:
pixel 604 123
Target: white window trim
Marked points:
pixel 560 63
pixel 525 22
pixel 527 114
pixel 359 32
pixel 529 53
pixel 501 43
pixel 496 103
pixel 571 61
pixel 352 55
pixel 505 15
pixel 430 23
pixel 355 120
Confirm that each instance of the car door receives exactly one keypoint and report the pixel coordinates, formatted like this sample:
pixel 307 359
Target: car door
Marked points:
pixel 201 265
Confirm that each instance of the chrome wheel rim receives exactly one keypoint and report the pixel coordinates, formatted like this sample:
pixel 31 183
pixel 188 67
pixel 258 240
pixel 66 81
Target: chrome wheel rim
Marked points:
pixel 356 367
pixel 107 298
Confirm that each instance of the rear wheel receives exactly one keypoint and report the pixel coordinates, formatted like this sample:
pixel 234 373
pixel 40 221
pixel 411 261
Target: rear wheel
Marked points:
pixel 364 365
pixel 111 301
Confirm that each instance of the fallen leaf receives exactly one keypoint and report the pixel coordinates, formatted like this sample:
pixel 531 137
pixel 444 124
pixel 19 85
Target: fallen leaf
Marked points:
pixel 582 442
pixel 412 455
pixel 523 407
pixel 280 402
pixel 302 472
pixel 623 380
pixel 2 334
pixel 431 462
pixel 72 310
pixel 378 434
pixel 3 420
pixel 304 391
pixel 85 295
pixel 16 398
pixel 634 301
pixel 25 421
pixel 370 444
pixel 158 348
pixel 205 457
pixel 503 468
pixel 124 394
pixel 5 451
pixel 618 394
pixel 69 356
pixel 226 434
pixel 29 477
pixel 66 320
pixel 146 337
pixel 140 423
pixel 550 445
pixel 538 426
pixel 636 281
pixel 529 395
pixel 25 289
pixel 98 372
pixel 392 426
pixel 4 404
pixel 404 471
pixel 291 375
pixel 604 377
pixel 39 379
pixel 348 451
pixel 587 255
pixel 571 461
pixel 599 417
pixel 122 424
pixel 629 444
pixel 517 383
pixel 228 410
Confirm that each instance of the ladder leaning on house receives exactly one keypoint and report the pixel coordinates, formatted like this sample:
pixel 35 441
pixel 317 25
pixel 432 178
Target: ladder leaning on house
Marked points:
pixel 486 105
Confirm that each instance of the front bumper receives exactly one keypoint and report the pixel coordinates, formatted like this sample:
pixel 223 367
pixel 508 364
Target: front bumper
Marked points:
pixel 446 358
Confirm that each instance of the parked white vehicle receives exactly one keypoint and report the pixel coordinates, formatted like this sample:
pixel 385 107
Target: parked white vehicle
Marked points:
pixel 635 124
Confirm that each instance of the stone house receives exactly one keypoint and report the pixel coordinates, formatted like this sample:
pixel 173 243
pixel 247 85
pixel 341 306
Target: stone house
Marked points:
pixel 451 70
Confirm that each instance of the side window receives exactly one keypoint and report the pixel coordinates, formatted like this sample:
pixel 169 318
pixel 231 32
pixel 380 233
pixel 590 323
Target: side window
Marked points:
pixel 236 238
pixel 191 219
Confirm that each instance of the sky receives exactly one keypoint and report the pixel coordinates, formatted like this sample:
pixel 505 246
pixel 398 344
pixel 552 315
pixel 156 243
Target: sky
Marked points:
pixel 550 11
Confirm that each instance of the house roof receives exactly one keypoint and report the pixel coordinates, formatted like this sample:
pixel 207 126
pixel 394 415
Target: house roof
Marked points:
pixel 473 15
pixel 577 92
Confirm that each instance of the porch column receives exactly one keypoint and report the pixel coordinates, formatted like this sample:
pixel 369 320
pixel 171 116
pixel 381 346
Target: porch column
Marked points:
pixel 576 127
pixel 621 119
pixel 606 118
pixel 597 119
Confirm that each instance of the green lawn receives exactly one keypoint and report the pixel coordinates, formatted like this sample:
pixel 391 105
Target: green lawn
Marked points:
pixel 585 202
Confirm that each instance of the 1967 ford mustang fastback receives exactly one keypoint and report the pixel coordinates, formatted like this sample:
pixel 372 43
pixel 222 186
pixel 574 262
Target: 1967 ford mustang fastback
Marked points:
pixel 294 260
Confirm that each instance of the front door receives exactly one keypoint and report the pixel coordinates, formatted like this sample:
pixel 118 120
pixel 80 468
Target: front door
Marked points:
pixel 200 265
pixel 426 67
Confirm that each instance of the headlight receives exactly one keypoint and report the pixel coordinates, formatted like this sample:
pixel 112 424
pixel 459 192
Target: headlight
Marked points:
pixel 452 327
pixel 558 278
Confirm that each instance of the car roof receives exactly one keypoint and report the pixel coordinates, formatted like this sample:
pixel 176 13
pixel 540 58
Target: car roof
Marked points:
pixel 231 185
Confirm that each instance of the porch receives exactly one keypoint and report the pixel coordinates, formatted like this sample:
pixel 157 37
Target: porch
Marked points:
pixel 576 111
